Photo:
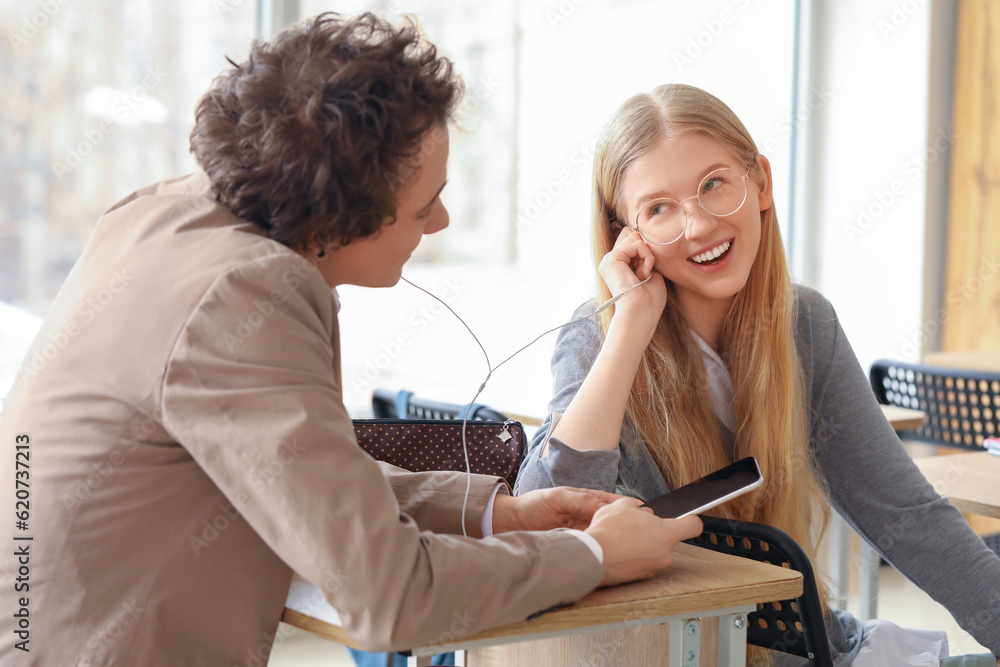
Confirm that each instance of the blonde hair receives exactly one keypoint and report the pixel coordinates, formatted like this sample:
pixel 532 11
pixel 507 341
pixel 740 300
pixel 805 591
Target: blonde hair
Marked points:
pixel 670 402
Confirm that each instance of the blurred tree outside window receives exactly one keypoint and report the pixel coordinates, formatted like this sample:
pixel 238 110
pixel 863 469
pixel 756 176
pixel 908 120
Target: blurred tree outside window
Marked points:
pixel 98 101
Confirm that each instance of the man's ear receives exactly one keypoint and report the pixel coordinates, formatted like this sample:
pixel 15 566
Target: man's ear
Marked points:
pixel 765 193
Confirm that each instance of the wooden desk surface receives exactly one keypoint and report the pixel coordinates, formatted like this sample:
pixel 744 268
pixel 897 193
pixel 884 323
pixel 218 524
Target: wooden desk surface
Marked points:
pixel 971 481
pixel 973 360
pixel 903 419
pixel 699 580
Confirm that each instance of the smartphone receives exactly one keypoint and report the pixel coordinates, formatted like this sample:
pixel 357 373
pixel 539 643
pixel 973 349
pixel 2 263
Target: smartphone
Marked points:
pixel 709 491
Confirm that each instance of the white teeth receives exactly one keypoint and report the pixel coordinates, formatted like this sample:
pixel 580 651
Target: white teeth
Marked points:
pixel 713 253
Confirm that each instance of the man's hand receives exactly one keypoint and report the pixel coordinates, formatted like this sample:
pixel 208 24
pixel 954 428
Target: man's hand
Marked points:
pixel 544 509
pixel 637 543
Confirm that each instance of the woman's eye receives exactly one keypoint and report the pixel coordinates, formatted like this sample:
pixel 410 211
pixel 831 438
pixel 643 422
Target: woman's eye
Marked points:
pixel 713 184
pixel 662 208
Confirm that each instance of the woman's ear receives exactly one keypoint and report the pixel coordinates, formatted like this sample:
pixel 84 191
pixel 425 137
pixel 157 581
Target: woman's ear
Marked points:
pixel 765 193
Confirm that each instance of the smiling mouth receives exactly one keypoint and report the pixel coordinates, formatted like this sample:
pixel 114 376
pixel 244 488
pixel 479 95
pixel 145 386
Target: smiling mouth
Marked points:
pixel 713 256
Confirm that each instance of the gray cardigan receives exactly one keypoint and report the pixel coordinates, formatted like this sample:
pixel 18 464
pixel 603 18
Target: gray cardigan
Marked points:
pixel 873 482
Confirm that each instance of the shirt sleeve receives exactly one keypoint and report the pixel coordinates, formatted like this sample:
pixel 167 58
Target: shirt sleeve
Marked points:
pixel 877 488
pixel 549 461
pixel 487 522
pixel 252 391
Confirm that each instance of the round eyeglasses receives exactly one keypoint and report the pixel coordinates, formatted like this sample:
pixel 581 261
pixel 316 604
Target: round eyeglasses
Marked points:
pixel 721 193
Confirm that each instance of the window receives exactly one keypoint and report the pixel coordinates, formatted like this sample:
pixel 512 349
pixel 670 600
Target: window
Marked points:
pixel 100 103
pixel 516 259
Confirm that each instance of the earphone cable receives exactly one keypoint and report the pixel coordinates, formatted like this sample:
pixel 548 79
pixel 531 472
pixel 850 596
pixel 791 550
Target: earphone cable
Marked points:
pixel 490 369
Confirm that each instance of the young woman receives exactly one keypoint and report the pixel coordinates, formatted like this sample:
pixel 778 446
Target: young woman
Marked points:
pixel 718 356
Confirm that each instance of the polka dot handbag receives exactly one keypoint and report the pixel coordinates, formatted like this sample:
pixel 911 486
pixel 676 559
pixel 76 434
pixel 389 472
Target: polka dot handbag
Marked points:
pixel 495 448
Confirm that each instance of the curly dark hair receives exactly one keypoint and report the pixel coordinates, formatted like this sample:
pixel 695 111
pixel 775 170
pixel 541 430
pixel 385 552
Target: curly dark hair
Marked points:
pixel 312 135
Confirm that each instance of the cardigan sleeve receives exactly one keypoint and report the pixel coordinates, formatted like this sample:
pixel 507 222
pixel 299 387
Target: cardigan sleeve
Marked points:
pixel 877 488
pixel 549 461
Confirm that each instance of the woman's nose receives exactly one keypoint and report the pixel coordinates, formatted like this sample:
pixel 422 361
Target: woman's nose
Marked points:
pixel 698 222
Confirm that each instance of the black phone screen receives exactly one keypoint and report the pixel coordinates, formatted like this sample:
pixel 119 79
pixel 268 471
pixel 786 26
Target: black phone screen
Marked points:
pixel 711 490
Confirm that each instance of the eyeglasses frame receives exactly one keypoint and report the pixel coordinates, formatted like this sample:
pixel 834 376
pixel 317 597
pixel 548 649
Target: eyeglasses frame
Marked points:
pixel 746 193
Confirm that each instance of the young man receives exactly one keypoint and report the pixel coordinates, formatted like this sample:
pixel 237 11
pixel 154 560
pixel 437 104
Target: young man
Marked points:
pixel 189 447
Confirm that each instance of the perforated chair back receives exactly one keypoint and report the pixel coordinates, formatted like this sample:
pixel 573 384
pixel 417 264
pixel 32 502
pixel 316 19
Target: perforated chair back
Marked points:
pixel 788 626
pixel 962 406
pixel 387 404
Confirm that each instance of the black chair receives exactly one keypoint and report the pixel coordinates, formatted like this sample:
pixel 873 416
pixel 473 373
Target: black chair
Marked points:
pixel 788 626
pixel 387 404
pixel 962 406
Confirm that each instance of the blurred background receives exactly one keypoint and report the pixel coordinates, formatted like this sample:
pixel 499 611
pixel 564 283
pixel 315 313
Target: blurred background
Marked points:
pixel 850 100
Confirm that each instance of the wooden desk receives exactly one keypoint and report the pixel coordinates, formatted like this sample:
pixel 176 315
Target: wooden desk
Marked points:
pixel 903 419
pixel 971 482
pixel 699 603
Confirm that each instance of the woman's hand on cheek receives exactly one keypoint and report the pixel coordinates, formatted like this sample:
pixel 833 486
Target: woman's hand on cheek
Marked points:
pixel 628 263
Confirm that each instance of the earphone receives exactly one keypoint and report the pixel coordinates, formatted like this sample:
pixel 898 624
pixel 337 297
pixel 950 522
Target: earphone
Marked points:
pixel 465 418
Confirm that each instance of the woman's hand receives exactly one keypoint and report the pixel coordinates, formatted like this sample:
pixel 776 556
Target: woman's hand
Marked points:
pixel 627 264
pixel 544 509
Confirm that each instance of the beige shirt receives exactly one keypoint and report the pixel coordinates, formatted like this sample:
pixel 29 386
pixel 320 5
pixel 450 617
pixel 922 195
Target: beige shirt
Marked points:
pixel 189 450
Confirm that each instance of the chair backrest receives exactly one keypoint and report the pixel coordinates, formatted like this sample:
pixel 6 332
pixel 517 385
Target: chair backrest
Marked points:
pixel 789 626
pixel 962 406
pixel 387 404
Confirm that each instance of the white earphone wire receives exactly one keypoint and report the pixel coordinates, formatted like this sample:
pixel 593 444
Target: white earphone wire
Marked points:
pixel 489 373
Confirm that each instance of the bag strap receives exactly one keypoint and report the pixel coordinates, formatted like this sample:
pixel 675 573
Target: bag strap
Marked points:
pixel 402 404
